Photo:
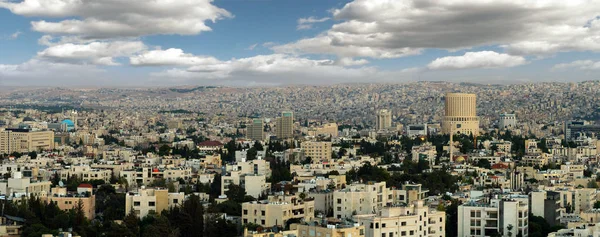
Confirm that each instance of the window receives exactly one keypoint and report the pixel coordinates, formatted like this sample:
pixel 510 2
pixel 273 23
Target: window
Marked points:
pixel 175 201
pixel 382 225
pixel 382 234
pixel 151 204
pixel 262 213
pixel 262 222
pixel 412 232
pixel 403 223
pixel 245 212
pixel 376 225
pixel 136 204
pixel 339 201
pixel 403 233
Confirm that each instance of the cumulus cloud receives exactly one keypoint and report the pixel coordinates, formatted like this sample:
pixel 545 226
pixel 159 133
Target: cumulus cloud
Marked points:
pixel 170 57
pixel 38 72
pixel 368 28
pixel 116 18
pixel 99 53
pixel 579 64
pixel 483 59
pixel 307 23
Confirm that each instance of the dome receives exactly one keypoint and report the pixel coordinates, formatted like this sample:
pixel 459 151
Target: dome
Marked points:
pixel 68 122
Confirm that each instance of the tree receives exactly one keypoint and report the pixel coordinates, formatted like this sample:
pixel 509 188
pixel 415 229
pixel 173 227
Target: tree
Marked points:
pixel 251 154
pixel 483 163
pixel 258 146
pixel 592 184
pixel 33 155
pixel 164 150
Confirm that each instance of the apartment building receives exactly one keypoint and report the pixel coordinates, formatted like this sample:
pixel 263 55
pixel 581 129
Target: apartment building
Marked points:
pixel 277 210
pixel 317 151
pixel 86 173
pixel 328 230
pixel 255 185
pixel 70 200
pixel 506 216
pixel 152 200
pixel 412 220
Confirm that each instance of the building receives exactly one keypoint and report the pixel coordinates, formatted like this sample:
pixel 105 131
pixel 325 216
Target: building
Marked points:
pixel 507 121
pixel 384 119
pixel 25 140
pixel 152 200
pixel 547 205
pixel 506 216
pixel 413 220
pixel 359 199
pixel 71 200
pixel 317 151
pixel 277 210
pixel 255 130
pixel 416 130
pixel 328 129
pixel 460 114
pixel 574 129
pixel 328 230
pixel 285 125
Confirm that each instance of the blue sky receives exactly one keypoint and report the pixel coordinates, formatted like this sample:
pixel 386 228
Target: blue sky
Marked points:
pixel 262 42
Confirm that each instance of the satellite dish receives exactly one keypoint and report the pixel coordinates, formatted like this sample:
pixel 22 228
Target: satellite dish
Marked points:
pixel 61 184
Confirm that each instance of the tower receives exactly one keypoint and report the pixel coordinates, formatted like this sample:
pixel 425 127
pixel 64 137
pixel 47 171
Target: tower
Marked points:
pixel 384 119
pixel 285 125
pixel 74 119
pixel 255 130
pixel 460 114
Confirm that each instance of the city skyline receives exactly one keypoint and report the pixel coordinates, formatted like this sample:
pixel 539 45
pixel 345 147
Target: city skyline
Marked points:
pixel 271 43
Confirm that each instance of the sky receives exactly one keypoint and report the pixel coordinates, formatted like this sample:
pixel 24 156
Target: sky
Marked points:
pixel 279 42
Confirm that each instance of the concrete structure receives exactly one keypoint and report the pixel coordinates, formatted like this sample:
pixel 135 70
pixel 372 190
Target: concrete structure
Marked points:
pixel 318 151
pixel 328 230
pixel 507 121
pixel 328 129
pixel 574 129
pixel 460 114
pixel 255 130
pixel 384 119
pixel 498 215
pixel 285 125
pixel 277 210
pixel 155 200
pixel 412 220
pixel 416 130
pixel 546 204
pixel 67 201
pixel 25 140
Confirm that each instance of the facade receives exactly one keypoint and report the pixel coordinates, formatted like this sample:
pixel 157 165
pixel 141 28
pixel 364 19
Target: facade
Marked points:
pixel 546 204
pixel 329 129
pixel 318 151
pixel 573 129
pixel 507 121
pixel 155 200
pixel 460 114
pixel 384 119
pixel 328 230
pixel 24 140
pixel 255 130
pixel 68 201
pixel 277 210
pixel 412 220
pixel 506 216
pixel 285 125
pixel 416 130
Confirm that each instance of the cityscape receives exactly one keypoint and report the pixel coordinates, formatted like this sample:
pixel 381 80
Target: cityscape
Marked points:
pixel 345 118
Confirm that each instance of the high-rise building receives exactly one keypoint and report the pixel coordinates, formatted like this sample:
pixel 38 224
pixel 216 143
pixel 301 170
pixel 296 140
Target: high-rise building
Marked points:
pixel 507 121
pixel 384 119
pixel 255 130
pixel 25 140
pixel 318 151
pixel 285 125
pixel 460 114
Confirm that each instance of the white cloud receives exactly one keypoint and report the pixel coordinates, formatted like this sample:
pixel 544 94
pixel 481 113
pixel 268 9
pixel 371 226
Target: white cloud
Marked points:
pixel 170 57
pixel 579 64
pixel 307 23
pixel 117 18
pixel 16 35
pixel 273 68
pixel 483 59
pixel 251 47
pixel 396 28
pixel 100 53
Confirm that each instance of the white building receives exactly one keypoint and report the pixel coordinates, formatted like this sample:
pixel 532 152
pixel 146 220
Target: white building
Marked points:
pixel 504 216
